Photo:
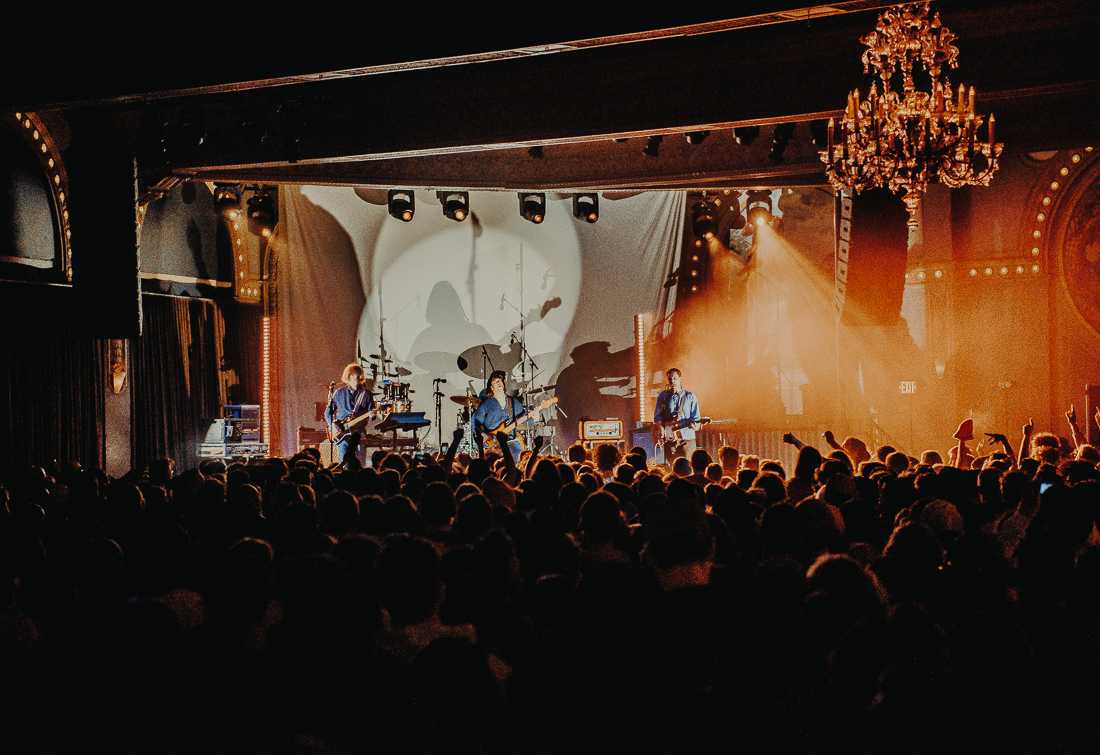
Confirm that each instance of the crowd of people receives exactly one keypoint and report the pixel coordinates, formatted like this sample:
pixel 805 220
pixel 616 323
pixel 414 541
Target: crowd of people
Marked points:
pixel 865 601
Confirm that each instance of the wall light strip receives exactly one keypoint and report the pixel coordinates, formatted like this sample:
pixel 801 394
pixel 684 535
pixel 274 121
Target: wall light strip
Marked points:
pixel 639 346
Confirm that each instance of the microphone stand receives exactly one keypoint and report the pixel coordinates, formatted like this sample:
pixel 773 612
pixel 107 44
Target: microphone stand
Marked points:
pixel 332 409
pixel 438 395
pixel 485 375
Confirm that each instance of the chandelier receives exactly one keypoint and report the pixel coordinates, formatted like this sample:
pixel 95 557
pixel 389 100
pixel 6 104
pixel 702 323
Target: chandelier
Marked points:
pixel 901 137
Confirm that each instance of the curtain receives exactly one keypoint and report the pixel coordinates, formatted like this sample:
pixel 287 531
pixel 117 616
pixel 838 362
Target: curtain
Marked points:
pixel 51 398
pixel 352 279
pixel 177 387
pixel 320 301
pixel 242 354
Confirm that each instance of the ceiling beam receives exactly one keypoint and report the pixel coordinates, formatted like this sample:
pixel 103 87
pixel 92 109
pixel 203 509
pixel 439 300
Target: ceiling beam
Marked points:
pixel 181 51
pixel 1028 121
pixel 763 74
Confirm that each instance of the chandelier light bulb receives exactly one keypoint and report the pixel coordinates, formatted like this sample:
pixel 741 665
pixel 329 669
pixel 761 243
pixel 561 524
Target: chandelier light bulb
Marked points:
pixel 901 137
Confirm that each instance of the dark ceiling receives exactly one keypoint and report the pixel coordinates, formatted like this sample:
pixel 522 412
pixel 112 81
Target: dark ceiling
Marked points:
pixel 205 93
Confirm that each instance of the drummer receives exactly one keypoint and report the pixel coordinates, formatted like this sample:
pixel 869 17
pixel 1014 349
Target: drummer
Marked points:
pixel 498 408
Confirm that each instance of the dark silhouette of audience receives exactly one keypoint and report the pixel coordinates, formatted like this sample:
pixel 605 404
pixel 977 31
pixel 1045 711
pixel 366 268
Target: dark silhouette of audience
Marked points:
pixel 597 602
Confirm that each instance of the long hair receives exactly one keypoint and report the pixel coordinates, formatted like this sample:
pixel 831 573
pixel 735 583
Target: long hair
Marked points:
pixel 353 367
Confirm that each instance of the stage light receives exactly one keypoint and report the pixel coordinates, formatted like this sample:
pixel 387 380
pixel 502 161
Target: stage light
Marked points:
pixel 737 218
pixel 653 146
pixel 759 207
pixel 781 137
pixel 586 207
pixel 746 135
pixel 401 204
pixel 262 213
pixel 456 204
pixel 532 206
pixel 704 220
pixel 227 198
pixel 696 137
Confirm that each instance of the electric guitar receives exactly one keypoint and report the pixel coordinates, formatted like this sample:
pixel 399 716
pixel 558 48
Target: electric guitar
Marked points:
pixel 669 433
pixel 507 427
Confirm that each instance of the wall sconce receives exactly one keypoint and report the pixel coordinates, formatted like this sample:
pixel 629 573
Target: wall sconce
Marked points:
pixel 118 365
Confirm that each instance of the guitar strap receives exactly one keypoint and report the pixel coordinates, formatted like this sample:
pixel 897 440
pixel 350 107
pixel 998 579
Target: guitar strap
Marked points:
pixel 358 400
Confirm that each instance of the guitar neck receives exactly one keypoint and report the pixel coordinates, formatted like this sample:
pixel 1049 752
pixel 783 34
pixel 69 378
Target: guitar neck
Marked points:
pixel 509 427
pixel 357 420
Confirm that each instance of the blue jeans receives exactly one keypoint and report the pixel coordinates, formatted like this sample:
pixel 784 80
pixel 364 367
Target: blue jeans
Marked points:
pixel 348 448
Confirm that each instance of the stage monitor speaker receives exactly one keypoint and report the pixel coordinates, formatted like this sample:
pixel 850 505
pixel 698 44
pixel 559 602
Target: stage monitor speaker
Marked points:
pixel 1092 401
pixel 872 238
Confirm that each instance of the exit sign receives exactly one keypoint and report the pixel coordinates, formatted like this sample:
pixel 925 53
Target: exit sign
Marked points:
pixel 907 387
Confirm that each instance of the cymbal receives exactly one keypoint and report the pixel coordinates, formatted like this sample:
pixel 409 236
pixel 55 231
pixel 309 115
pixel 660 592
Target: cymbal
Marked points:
pixel 464 400
pixel 469 361
pixel 540 389
pixel 379 358
pixel 402 372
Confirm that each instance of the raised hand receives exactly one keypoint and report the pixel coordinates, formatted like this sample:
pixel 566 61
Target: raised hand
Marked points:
pixel 1029 428
pixel 829 437
pixel 456 436
pixel 1071 415
pixel 788 438
pixel 1097 417
pixel 996 438
pixel 538 442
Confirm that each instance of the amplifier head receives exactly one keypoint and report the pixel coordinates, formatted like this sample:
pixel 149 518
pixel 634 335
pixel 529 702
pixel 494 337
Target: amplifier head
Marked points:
pixel 600 429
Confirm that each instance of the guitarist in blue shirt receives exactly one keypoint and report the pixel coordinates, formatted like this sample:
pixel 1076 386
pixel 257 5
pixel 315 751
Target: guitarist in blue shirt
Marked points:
pixel 350 400
pixel 676 417
pixel 498 408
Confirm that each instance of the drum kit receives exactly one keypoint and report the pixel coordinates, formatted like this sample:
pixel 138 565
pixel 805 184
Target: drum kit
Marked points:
pixel 391 394
pixel 479 362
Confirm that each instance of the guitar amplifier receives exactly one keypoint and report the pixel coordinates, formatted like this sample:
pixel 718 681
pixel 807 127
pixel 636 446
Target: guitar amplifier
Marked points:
pixel 600 429
pixel 309 437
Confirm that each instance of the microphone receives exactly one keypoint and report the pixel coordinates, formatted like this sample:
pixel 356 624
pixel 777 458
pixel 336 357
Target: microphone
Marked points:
pixel 440 380
pixel 502 302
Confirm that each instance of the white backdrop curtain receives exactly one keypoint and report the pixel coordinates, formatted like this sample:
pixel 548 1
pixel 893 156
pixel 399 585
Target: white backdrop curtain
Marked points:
pixel 438 288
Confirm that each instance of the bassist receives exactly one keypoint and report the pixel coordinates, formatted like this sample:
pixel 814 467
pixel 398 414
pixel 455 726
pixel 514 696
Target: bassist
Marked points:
pixel 498 408
pixel 350 400
pixel 677 417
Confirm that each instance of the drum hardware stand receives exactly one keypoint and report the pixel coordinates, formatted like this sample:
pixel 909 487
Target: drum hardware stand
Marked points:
pixel 554 430
pixel 485 359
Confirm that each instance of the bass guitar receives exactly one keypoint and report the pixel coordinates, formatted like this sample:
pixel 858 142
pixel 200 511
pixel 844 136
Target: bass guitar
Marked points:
pixel 507 427
pixel 353 424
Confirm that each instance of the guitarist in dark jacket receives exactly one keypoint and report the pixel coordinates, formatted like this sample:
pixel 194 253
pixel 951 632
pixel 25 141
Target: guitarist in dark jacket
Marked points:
pixel 350 400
